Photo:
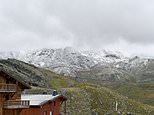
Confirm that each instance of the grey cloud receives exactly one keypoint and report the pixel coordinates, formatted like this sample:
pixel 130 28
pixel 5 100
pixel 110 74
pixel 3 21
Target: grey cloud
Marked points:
pixel 82 24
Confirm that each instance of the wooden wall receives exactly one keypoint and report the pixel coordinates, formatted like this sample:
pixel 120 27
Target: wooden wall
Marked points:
pixel 1 104
pixel 17 95
pixel 48 107
pixel 11 111
pixel 3 79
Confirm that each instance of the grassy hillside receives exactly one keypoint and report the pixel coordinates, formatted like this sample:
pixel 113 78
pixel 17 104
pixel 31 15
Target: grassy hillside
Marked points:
pixel 143 92
pixel 91 99
pixel 83 98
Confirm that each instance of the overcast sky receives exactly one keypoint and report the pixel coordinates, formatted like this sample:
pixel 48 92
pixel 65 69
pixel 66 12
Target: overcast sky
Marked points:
pixel 123 25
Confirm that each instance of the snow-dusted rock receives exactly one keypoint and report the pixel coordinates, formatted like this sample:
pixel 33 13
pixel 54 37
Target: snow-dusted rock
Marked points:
pixel 68 61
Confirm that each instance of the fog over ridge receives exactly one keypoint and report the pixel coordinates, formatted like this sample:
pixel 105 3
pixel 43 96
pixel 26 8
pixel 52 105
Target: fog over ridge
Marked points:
pixel 125 26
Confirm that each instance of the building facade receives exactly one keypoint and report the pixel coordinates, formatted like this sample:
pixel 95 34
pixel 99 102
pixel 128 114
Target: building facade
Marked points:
pixel 10 94
pixel 12 102
pixel 44 105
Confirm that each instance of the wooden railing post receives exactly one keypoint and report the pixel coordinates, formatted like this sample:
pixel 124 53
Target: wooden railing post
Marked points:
pixel 65 108
pixel 1 104
pixel 1 111
pixel 8 88
pixel 16 104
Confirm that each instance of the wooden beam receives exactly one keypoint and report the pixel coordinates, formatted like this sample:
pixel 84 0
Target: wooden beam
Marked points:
pixel 65 108
pixel 1 104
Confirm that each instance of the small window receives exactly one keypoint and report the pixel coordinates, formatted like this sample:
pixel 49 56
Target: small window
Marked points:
pixel 45 113
pixel 54 103
pixel 50 112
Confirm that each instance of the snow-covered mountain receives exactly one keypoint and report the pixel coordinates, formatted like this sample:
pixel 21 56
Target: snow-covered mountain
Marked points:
pixel 104 56
pixel 13 54
pixel 69 61
pixel 65 61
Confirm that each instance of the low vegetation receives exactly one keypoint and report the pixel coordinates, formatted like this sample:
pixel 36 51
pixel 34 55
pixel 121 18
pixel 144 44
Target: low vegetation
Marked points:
pixel 142 92
pixel 92 99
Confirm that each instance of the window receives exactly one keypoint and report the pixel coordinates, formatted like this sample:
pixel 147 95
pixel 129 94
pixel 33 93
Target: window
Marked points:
pixel 45 113
pixel 54 103
pixel 50 112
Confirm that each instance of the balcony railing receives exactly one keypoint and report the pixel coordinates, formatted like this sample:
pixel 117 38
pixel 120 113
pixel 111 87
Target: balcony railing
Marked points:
pixel 16 104
pixel 8 87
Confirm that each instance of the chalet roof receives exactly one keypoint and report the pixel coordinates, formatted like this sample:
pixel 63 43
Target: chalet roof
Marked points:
pixel 39 100
pixel 15 75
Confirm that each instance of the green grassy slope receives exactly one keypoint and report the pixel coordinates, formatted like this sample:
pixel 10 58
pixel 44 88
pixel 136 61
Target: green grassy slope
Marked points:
pixel 143 92
pixel 87 99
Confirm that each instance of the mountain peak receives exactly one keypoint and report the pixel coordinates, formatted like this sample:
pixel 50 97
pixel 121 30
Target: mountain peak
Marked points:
pixel 69 60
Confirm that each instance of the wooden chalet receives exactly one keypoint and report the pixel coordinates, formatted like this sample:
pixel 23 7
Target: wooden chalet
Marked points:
pixel 44 105
pixel 10 94
pixel 12 102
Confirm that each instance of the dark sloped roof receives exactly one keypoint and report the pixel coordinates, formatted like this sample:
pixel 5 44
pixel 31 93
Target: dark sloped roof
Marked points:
pixel 24 72
pixel 15 75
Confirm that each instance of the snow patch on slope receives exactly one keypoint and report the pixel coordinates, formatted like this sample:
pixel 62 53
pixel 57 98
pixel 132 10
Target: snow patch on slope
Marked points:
pixel 68 61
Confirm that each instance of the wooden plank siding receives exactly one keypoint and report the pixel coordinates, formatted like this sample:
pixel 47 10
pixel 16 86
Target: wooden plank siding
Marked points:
pixel 15 104
pixel 11 103
pixel 10 95
pixel 8 87
pixel 48 107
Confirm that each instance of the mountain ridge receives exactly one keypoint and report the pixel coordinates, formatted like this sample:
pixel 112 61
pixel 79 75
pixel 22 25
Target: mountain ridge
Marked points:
pixel 71 62
pixel 102 55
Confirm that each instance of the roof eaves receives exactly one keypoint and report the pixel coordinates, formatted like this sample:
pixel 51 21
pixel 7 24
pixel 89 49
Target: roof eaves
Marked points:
pixel 53 99
pixel 5 71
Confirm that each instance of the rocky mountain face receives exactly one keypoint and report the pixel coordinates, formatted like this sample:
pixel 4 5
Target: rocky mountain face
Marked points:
pixel 103 66
pixel 64 61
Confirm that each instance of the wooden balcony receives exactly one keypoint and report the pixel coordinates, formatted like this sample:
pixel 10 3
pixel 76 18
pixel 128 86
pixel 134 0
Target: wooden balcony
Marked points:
pixel 16 104
pixel 8 88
